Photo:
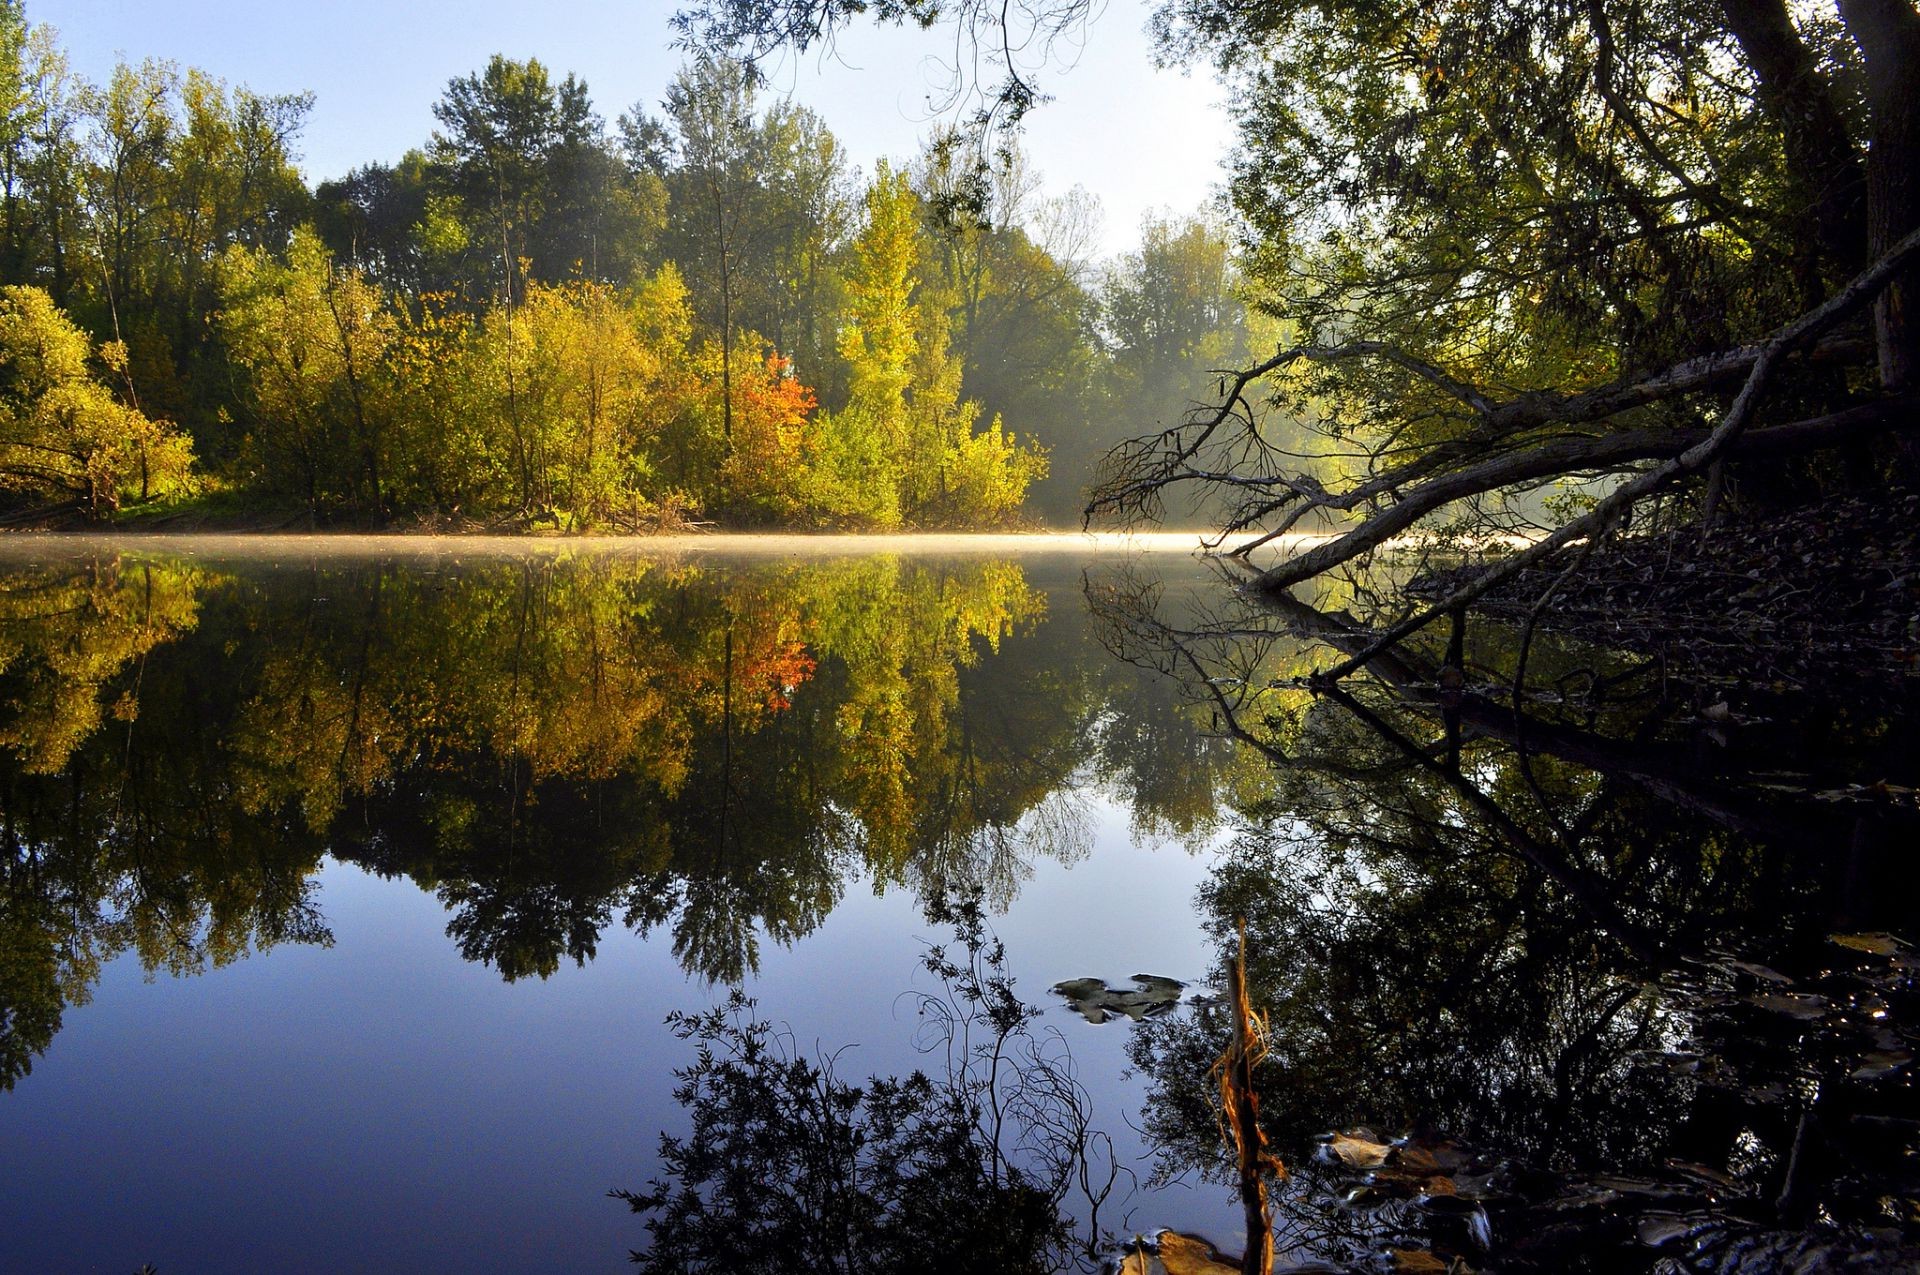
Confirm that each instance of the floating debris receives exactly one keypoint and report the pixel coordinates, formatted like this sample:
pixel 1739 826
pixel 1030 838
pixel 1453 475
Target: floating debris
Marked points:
pixel 1098 1002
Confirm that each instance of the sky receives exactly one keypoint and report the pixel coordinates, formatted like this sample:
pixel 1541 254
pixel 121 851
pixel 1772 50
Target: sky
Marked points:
pixel 1140 139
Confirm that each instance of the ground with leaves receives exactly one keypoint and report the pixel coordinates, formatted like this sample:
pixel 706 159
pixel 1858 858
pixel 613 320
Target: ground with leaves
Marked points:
pixel 1781 600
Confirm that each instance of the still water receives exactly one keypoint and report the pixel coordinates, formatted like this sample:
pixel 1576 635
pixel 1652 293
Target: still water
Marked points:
pixel 348 890
pixel 350 886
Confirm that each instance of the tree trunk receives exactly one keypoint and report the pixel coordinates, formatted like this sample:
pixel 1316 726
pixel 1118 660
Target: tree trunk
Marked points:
pixel 1823 159
pixel 1888 33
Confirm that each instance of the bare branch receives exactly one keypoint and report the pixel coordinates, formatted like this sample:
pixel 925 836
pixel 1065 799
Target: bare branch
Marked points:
pixel 1860 292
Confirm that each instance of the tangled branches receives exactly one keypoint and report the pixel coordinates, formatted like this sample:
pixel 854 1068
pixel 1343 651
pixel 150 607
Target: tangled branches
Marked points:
pixel 1510 443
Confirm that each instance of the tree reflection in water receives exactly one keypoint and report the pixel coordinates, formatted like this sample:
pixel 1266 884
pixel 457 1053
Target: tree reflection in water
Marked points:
pixel 1583 933
pixel 553 745
pixel 789 1166
pixel 1576 939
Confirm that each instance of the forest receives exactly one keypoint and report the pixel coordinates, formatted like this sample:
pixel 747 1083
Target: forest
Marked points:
pixel 704 310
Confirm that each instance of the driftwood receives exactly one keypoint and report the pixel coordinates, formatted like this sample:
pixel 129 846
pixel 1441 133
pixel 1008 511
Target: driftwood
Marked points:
pixel 1240 1115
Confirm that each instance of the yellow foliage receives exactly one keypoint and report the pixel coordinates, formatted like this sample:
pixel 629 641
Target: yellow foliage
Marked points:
pixel 62 432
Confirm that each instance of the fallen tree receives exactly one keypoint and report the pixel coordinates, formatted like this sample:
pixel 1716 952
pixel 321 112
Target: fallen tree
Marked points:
pixel 1194 451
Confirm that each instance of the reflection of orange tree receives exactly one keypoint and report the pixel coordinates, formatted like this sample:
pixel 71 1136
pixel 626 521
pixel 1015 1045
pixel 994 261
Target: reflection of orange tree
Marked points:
pixel 550 744
pixel 492 705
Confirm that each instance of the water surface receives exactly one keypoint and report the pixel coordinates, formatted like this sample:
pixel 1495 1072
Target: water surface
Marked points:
pixel 350 884
pixel 351 880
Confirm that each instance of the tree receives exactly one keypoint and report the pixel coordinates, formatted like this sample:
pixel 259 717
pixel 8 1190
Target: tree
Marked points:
pixel 46 215
pixel 14 114
pixel 180 168
pixel 763 476
pixel 860 452
pixel 313 338
pixel 809 212
pixel 1015 43
pixel 371 219
pixel 62 432
pixel 713 155
pixel 498 127
pixel 1171 311
pixel 1012 272
pixel 904 447
pixel 1538 243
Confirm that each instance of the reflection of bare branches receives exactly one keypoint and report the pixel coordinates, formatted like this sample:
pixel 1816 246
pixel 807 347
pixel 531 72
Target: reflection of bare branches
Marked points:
pixel 1034 1116
pixel 1224 661
pixel 993 860
pixel 787 1163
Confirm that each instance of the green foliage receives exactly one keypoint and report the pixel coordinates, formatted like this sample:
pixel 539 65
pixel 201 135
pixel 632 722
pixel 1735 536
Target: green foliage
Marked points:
pixel 313 340
pixel 526 170
pixel 538 316
pixel 562 401
pixel 903 449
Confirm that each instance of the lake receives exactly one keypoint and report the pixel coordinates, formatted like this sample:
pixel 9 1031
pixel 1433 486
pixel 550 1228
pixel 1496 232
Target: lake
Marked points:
pixel 351 883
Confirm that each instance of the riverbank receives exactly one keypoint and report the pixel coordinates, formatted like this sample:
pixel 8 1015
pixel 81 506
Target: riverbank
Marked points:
pixel 1785 600
pixel 404 544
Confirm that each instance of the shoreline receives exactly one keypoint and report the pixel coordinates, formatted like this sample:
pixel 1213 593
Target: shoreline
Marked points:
pixel 15 546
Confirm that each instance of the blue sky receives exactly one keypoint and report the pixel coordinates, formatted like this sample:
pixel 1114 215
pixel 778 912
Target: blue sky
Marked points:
pixel 1138 138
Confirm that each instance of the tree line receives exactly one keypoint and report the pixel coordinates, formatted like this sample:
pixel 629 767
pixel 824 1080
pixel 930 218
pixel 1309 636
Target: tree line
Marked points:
pixel 699 310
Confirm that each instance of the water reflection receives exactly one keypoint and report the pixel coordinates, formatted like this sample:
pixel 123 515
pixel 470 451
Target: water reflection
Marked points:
pixel 1566 922
pixel 553 746
pixel 964 1165
pixel 1576 939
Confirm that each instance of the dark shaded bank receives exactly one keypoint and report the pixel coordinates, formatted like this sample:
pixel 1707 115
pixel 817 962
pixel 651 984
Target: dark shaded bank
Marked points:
pixel 1806 597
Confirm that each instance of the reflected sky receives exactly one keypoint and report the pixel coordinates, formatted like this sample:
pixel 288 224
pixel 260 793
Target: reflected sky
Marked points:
pixel 385 1105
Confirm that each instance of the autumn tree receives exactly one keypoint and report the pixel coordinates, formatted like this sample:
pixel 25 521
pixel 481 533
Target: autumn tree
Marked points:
pixel 578 397
pixel 860 451
pixel 1015 273
pixel 313 338
pixel 63 433
pixel 904 447
pixel 763 476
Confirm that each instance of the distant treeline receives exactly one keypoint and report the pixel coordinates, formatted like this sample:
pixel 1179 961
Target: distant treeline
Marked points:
pixel 538 316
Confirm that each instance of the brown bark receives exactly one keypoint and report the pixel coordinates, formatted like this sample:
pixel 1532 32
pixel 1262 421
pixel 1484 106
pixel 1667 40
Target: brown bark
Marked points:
pixel 1240 1112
